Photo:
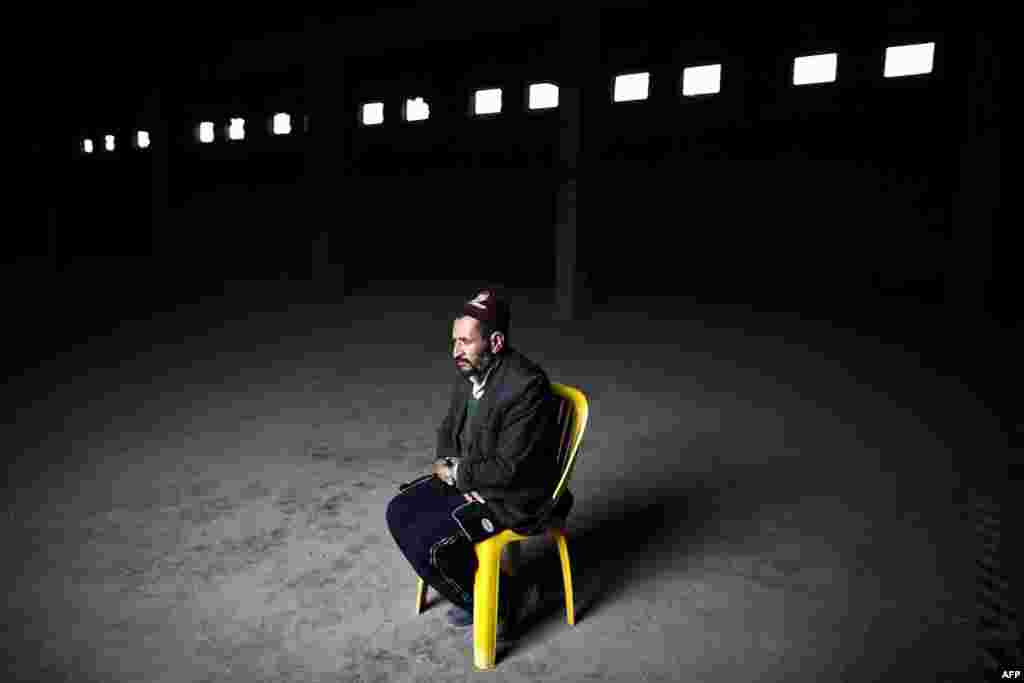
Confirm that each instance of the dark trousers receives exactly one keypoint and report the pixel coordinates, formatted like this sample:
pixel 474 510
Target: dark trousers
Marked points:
pixel 422 523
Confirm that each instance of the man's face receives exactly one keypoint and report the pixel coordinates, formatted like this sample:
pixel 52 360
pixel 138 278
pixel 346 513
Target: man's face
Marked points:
pixel 472 354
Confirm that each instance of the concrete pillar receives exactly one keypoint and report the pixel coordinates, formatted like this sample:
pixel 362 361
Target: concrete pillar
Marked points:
pixel 49 200
pixel 977 199
pixel 321 256
pixel 155 121
pixel 328 164
pixel 582 42
pixel 566 242
pixel 51 238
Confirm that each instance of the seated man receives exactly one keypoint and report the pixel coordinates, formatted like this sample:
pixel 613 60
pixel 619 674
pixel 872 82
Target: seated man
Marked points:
pixel 495 466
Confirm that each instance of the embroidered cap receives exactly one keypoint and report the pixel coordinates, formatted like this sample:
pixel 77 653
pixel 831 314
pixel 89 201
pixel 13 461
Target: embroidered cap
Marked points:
pixel 488 307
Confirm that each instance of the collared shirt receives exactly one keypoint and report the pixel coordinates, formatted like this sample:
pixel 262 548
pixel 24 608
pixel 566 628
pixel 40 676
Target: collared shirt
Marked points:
pixel 480 384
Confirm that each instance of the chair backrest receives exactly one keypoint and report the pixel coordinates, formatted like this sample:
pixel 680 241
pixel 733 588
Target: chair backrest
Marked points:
pixel 573 411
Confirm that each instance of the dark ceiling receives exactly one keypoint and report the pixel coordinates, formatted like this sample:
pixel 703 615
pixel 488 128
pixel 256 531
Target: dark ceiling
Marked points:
pixel 84 56
pixel 82 45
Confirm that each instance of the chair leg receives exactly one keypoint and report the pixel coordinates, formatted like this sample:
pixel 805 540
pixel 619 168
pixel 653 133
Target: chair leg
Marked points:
pixel 485 605
pixel 563 552
pixel 421 595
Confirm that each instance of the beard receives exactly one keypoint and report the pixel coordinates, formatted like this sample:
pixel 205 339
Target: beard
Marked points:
pixel 478 369
pixel 486 358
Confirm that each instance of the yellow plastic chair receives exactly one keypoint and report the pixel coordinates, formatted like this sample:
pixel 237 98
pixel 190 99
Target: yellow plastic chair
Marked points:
pixel 572 420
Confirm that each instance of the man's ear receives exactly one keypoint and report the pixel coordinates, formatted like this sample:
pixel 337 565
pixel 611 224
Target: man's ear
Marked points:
pixel 497 341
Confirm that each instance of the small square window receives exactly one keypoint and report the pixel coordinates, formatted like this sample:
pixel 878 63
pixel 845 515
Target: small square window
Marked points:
pixel 108 142
pixel 543 96
pixel 142 139
pixel 206 132
pixel 909 60
pixel 282 124
pixel 487 101
pixel 815 69
pixel 416 110
pixel 631 87
pixel 87 146
pixel 236 129
pixel 702 80
pixel 373 113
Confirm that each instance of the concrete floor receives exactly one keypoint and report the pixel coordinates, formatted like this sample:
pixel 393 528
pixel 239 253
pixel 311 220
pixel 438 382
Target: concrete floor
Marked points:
pixel 758 498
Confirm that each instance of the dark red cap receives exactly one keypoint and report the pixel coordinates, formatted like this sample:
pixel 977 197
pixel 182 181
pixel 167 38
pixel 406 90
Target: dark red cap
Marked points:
pixel 488 307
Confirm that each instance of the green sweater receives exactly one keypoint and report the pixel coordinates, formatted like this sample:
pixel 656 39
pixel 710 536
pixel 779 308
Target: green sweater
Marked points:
pixel 471 405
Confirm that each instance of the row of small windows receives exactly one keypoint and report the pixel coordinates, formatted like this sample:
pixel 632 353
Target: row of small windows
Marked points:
pixel 141 142
pixel 281 124
pixel 902 60
pixel 488 101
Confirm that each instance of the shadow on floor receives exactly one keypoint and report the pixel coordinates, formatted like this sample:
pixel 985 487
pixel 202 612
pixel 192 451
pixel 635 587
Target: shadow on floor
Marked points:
pixel 634 537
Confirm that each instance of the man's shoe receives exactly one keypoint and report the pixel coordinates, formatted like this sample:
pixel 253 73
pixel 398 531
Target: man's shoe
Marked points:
pixel 459 617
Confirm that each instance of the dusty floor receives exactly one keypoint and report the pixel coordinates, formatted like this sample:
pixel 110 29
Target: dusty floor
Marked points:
pixel 758 499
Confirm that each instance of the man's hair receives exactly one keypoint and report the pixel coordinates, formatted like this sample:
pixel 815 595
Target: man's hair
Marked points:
pixel 487 328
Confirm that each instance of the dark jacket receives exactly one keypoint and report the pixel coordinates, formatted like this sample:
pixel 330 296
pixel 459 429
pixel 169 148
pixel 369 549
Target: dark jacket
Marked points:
pixel 511 455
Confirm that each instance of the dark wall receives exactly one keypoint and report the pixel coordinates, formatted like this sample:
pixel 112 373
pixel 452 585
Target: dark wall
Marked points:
pixel 763 193
pixel 847 198
pixel 447 197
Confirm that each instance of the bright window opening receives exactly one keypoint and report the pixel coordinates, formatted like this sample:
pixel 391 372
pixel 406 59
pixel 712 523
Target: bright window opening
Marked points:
pixel 87 146
pixel 206 131
pixel 909 60
pixel 282 124
pixel 236 129
pixel 142 139
pixel 543 96
pixel 702 80
pixel 108 142
pixel 815 69
pixel 373 113
pixel 487 101
pixel 416 110
pixel 630 87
